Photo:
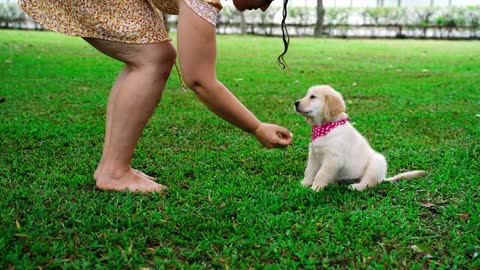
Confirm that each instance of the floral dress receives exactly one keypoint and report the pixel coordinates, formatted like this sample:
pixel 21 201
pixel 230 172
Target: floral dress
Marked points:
pixel 128 21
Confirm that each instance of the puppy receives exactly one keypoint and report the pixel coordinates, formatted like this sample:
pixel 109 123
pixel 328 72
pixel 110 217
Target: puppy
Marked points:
pixel 337 151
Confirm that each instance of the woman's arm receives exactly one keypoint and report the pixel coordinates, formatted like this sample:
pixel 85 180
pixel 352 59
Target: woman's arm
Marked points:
pixel 196 40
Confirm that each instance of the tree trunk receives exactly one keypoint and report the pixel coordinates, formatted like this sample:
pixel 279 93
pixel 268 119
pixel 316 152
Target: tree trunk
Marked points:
pixel 320 17
pixel 243 23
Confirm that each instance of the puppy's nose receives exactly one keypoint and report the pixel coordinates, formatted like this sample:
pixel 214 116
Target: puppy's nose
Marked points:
pixel 296 104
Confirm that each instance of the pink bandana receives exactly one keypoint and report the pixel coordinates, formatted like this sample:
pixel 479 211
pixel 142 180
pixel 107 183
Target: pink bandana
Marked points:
pixel 324 129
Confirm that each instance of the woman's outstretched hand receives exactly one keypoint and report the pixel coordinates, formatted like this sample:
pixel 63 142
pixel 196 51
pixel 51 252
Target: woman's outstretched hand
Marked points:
pixel 273 136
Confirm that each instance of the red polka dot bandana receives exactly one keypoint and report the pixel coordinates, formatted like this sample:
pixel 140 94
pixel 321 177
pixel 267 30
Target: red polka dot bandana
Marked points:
pixel 324 129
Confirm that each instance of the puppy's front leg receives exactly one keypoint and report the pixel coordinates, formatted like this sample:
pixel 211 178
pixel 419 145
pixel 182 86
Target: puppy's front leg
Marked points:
pixel 312 168
pixel 326 174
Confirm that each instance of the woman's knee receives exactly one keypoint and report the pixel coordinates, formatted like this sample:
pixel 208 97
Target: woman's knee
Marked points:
pixel 158 58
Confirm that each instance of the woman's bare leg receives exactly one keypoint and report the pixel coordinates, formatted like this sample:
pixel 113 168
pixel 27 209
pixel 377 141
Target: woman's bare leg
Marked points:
pixel 111 100
pixel 108 122
pixel 135 94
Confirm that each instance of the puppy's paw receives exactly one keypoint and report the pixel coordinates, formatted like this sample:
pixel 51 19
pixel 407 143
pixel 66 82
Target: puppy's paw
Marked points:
pixel 358 187
pixel 306 183
pixel 318 187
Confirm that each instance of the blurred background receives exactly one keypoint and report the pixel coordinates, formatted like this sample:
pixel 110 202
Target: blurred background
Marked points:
pixel 432 19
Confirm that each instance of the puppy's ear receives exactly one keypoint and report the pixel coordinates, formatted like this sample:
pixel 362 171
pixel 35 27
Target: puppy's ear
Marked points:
pixel 334 105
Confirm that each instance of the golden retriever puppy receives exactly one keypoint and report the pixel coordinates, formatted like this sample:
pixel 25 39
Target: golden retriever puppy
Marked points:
pixel 337 151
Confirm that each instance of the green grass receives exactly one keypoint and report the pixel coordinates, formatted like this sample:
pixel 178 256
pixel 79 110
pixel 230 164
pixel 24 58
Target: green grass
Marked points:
pixel 231 203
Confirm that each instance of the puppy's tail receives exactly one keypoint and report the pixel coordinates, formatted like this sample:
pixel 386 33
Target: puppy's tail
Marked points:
pixel 406 176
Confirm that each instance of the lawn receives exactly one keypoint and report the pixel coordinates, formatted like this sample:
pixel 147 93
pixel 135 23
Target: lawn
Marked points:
pixel 233 204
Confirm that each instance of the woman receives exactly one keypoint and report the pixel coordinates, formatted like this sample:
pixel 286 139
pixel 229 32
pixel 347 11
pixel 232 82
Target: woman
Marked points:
pixel 134 32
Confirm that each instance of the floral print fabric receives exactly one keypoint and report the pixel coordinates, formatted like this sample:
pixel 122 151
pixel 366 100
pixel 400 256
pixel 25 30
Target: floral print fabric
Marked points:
pixel 128 21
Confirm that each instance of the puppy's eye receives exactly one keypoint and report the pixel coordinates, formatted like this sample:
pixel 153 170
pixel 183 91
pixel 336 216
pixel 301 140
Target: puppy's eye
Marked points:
pixel 312 97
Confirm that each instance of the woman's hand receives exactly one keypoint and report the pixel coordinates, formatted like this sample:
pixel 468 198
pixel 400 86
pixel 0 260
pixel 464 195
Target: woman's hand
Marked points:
pixel 273 136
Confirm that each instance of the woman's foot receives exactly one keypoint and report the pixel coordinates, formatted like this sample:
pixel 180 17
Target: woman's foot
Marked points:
pixel 132 180
pixel 144 175
pixel 98 171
